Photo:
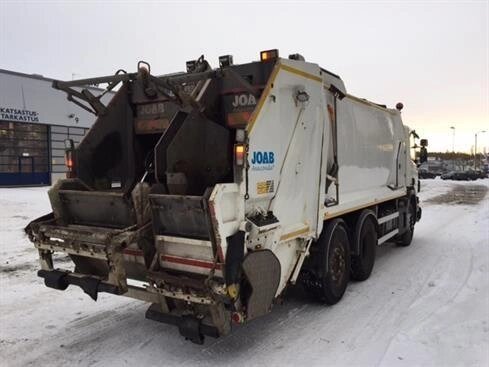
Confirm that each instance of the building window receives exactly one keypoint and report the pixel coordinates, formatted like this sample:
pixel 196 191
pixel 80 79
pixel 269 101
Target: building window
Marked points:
pixel 58 136
pixel 23 148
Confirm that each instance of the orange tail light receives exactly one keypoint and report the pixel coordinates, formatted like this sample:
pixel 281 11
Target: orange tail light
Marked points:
pixel 239 154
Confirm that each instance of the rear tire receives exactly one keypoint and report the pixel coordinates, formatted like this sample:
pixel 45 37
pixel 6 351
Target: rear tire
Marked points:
pixel 407 237
pixel 363 263
pixel 332 271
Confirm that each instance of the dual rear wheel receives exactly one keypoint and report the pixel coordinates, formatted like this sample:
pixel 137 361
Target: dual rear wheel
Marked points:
pixel 334 265
pixel 366 241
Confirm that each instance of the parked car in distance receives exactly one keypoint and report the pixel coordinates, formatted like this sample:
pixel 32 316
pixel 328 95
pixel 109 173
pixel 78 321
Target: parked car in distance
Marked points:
pixel 475 174
pixel 455 175
pixel 424 173
pixel 469 175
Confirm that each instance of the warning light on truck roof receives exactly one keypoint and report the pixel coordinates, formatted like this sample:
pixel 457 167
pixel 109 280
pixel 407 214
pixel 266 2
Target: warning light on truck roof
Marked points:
pixel 268 55
pixel 190 65
pixel 225 61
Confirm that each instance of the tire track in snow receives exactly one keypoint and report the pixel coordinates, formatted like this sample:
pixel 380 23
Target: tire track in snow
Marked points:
pixel 457 269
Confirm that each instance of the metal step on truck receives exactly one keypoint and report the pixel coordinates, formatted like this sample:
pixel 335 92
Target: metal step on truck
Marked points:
pixel 206 193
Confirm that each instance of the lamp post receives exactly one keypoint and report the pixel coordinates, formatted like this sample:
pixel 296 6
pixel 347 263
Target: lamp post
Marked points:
pixel 475 147
pixel 453 138
pixel 453 147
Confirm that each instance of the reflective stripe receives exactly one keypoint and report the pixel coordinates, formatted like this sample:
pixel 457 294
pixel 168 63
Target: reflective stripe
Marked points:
pixel 191 262
pixel 132 252
pixel 375 202
pixel 263 97
pixel 302 73
pixel 288 236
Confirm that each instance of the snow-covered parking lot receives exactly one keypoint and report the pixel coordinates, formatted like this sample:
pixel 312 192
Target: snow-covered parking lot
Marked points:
pixel 427 304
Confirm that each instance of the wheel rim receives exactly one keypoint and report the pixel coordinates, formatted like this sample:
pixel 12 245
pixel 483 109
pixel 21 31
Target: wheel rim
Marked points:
pixel 412 217
pixel 338 265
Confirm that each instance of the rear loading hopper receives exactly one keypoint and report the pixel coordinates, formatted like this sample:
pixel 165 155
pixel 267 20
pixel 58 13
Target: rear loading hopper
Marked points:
pixel 151 204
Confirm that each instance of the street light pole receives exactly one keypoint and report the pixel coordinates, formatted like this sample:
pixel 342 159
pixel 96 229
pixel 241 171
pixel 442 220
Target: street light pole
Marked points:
pixel 453 147
pixel 475 147
pixel 453 138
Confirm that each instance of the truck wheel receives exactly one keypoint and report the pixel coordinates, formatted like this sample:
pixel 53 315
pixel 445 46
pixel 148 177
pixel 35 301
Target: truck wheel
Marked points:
pixel 406 238
pixel 363 263
pixel 333 264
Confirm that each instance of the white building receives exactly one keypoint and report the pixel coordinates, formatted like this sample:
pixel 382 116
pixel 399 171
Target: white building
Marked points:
pixel 35 120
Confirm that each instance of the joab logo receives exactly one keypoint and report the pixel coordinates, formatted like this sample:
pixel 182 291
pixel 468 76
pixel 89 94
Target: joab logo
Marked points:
pixel 262 160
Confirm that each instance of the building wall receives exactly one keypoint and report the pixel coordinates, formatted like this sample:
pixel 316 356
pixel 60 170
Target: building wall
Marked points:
pixel 35 120
pixel 35 94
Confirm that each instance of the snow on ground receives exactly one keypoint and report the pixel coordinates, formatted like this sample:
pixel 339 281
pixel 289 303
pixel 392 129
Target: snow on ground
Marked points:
pixel 427 304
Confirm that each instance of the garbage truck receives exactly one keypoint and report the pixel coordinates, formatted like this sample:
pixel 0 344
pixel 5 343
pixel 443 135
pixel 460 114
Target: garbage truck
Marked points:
pixel 208 193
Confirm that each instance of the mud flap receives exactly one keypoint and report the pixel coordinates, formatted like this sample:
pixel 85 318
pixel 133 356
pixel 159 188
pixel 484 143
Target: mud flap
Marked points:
pixel 190 327
pixel 54 279
pixel 90 287
pixel 262 269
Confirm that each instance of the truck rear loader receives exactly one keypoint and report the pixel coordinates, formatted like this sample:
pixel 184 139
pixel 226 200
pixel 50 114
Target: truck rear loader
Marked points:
pixel 206 193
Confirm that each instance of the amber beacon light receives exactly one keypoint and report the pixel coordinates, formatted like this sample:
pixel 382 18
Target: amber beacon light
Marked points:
pixel 268 55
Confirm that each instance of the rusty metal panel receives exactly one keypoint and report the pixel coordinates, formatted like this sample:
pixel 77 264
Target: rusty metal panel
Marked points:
pixel 102 209
pixel 154 117
pixel 108 152
pixel 196 147
pixel 151 126
pixel 179 216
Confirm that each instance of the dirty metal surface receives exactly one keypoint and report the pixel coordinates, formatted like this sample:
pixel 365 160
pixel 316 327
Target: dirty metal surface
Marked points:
pixel 97 208
pixel 179 215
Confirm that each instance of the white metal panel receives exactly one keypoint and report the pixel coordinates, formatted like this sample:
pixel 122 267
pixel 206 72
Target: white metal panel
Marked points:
pixel 185 247
pixel 226 207
pixel 368 142
pixel 371 157
pixel 293 133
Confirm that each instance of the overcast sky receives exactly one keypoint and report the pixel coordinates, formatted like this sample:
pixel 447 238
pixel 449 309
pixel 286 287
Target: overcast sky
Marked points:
pixel 432 56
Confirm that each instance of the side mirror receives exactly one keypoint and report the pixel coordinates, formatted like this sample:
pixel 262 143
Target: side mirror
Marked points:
pixel 423 155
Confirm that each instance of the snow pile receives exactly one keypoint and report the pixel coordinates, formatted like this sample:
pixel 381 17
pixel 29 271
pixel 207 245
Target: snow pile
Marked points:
pixel 426 304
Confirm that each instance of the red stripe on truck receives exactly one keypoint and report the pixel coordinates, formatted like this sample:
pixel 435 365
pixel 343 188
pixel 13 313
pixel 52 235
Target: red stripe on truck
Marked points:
pixel 132 252
pixel 191 262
